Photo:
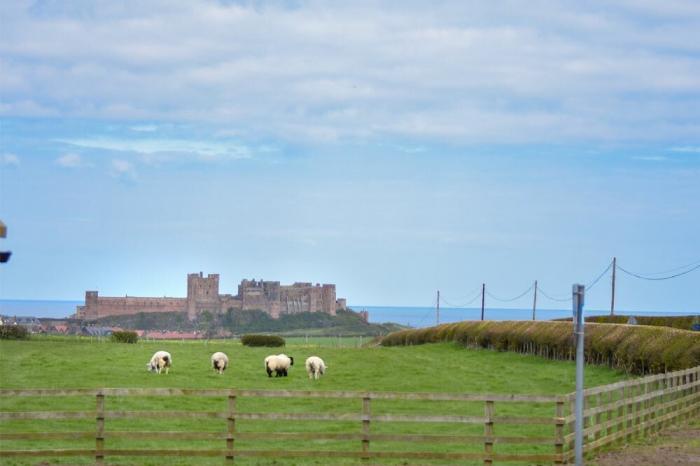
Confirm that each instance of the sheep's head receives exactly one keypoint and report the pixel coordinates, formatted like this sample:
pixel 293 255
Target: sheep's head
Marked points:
pixel 150 367
pixel 291 360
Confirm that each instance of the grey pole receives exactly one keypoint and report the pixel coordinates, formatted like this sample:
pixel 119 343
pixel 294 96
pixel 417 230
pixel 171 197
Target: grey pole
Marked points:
pixel 578 295
pixel 437 309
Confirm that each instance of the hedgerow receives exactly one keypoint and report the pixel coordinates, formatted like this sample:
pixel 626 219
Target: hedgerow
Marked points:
pixel 681 322
pixel 262 340
pixel 125 336
pixel 632 348
pixel 13 332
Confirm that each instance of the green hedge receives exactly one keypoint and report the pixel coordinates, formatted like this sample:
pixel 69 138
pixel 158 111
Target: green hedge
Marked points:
pixel 262 340
pixel 633 348
pixel 125 336
pixel 682 322
pixel 13 332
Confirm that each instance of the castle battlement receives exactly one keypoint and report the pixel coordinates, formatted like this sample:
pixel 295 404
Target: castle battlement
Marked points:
pixel 203 295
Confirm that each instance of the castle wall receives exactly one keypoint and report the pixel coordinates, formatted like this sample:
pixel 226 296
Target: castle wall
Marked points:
pixel 203 295
pixel 96 306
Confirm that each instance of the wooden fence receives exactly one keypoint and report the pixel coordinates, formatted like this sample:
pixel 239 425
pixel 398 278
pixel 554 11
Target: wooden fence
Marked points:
pixel 620 411
pixel 615 412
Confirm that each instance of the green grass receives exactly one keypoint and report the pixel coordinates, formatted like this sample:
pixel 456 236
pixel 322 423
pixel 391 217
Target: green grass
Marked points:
pixel 445 367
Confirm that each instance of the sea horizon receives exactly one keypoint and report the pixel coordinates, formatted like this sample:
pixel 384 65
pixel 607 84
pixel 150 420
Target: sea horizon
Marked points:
pixel 414 316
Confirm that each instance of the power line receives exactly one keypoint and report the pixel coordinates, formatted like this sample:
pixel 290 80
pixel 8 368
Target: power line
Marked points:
pixel 561 300
pixel 466 296
pixel 658 278
pixel 511 299
pixel 461 305
pixel 592 284
pixel 694 266
pixel 682 267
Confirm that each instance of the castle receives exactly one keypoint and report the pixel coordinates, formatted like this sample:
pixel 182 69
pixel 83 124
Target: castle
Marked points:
pixel 203 295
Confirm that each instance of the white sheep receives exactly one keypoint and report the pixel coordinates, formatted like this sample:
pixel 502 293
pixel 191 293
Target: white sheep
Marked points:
pixel 315 367
pixel 159 361
pixel 219 362
pixel 279 363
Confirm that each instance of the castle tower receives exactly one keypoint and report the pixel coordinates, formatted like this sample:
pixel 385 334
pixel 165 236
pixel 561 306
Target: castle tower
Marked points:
pixel 202 294
pixel 328 299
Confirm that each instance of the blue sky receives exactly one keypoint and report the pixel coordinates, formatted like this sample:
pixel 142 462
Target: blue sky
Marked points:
pixel 393 150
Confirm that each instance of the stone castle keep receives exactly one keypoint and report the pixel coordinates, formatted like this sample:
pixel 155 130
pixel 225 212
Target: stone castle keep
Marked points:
pixel 203 295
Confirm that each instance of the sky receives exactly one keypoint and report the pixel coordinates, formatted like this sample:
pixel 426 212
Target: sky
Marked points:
pixel 392 148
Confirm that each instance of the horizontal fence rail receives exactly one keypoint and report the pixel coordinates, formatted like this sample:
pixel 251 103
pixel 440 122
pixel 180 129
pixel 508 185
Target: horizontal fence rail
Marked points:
pixel 482 446
pixel 623 410
pixel 613 413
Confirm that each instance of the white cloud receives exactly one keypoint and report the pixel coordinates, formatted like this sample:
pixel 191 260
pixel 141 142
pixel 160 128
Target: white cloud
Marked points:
pixel 70 161
pixel 154 150
pixel 651 158
pixel 144 128
pixel 485 72
pixel 9 160
pixel 122 169
pixel 687 149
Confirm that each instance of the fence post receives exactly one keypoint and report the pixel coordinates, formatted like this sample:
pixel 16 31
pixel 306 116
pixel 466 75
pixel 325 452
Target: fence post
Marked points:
pixel 598 417
pixel 488 432
pixel 689 393
pixel 559 432
pixel 366 413
pixel 647 409
pixel 630 414
pixel 621 412
pixel 670 384
pixel 655 387
pixel 100 430
pixel 638 410
pixel 611 400
pixel 231 426
pixel 572 424
pixel 577 299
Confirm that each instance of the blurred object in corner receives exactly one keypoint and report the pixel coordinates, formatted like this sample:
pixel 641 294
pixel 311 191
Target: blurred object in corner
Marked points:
pixel 4 255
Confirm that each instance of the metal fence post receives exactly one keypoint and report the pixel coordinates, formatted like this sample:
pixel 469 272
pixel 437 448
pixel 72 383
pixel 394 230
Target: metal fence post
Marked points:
pixel 578 292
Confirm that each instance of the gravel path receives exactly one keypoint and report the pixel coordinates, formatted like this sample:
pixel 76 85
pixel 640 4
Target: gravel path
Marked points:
pixel 677 446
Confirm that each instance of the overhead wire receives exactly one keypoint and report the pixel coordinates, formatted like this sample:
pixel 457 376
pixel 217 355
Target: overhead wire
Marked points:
pixel 546 295
pixel 682 267
pixel 636 275
pixel 593 283
pixel 511 299
pixel 694 266
pixel 461 305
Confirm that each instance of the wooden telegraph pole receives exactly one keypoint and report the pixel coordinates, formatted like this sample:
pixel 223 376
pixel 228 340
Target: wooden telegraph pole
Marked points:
pixel 437 309
pixel 483 292
pixel 612 301
pixel 534 301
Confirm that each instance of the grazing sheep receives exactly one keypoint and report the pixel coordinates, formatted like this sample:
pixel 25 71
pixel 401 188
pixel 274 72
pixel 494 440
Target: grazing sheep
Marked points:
pixel 159 361
pixel 219 362
pixel 279 363
pixel 315 367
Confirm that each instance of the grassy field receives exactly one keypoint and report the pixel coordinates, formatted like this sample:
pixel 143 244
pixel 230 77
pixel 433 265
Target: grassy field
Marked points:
pixel 50 363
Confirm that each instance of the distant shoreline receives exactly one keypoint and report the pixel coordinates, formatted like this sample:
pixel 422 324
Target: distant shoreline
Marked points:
pixel 406 315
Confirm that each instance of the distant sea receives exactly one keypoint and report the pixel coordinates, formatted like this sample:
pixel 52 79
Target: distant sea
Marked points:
pixel 36 308
pixel 405 315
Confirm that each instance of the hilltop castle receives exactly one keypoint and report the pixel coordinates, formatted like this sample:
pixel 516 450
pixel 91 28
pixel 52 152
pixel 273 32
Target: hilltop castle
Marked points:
pixel 203 295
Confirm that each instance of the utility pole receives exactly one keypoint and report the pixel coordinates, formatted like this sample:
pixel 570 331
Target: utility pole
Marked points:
pixel 577 300
pixel 483 292
pixel 534 301
pixel 437 309
pixel 612 301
